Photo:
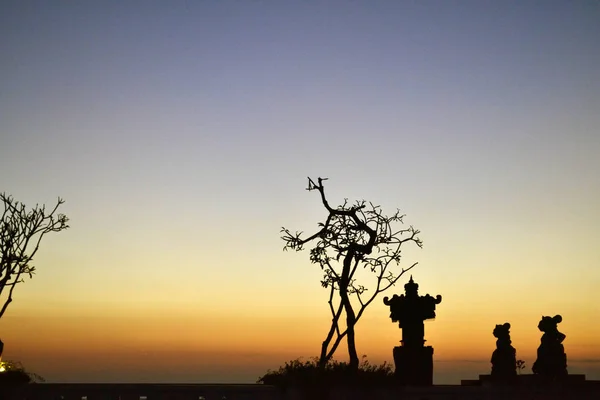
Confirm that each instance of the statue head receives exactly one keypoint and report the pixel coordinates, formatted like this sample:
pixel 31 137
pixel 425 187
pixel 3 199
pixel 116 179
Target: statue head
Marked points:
pixel 549 324
pixel 502 331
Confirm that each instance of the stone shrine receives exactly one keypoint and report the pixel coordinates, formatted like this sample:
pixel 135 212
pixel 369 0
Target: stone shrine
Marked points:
pixel 414 360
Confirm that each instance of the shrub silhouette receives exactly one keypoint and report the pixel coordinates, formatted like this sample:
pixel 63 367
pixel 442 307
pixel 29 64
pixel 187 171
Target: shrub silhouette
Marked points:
pixel 311 373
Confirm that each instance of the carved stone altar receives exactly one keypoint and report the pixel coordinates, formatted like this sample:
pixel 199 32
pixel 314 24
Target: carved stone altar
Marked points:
pixel 551 358
pixel 414 360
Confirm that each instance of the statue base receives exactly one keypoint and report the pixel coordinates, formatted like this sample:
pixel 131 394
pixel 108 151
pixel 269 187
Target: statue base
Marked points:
pixel 528 380
pixel 414 365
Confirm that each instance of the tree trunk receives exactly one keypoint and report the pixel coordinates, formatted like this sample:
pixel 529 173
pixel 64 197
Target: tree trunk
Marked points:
pixel 350 316
pixel 350 322
pixel 325 352
pixel 323 359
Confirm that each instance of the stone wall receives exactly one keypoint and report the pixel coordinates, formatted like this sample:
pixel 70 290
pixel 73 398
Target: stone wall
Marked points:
pixel 589 391
pixel 144 392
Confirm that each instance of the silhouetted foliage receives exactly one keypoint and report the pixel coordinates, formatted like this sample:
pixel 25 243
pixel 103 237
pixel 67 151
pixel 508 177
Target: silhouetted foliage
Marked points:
pixel 352 235
pixel 21 232
pixel 13 372
pixel 312 373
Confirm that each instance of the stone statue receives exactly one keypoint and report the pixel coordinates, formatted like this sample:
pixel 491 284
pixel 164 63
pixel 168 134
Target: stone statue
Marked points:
pixel 504 358
pixel 414 361
pixel 551 358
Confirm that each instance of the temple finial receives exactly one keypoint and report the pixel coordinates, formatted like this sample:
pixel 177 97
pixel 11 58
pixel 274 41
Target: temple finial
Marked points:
pixel 411 286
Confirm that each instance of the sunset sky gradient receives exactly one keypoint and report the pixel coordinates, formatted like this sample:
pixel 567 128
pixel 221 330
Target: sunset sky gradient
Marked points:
pixel 181 134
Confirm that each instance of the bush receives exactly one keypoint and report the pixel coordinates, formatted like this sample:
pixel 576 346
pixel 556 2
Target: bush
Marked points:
pixel 308 373
pixel 12 372
pixel 13 378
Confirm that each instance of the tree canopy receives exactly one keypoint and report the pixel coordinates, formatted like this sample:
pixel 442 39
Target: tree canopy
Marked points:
pixel 353 235
pixel 21 232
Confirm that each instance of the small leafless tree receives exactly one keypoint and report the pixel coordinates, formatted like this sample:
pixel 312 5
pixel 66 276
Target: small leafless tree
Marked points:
pixel 520 366
pixel 21 232
pixel 352 235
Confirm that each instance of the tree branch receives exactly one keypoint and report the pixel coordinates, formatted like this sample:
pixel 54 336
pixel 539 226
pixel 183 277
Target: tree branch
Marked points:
pixel 21 233
pixel 349 235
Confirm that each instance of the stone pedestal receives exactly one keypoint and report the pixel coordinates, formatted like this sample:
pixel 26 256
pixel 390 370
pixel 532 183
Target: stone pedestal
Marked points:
pixel 414 365
pixel 528 380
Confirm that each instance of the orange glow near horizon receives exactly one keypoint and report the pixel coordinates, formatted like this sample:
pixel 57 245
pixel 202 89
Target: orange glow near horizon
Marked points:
pixel 251 343
pixel 252 328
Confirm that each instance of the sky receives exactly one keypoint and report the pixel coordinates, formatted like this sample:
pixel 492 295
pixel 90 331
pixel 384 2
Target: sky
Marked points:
pixel 181 135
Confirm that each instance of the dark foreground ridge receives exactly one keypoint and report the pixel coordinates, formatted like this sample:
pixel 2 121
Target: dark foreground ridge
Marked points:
pixel 71 391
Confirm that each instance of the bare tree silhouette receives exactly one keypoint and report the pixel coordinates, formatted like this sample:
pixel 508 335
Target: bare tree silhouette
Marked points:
pixel 21 232
pixel 358 235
